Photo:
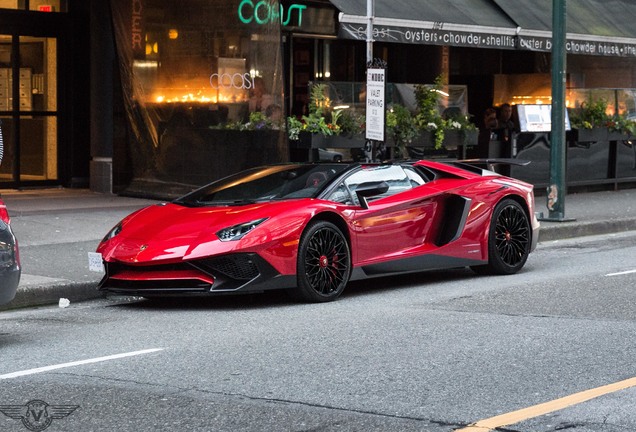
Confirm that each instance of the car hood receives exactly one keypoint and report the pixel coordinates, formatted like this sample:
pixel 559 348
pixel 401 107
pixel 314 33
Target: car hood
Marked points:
pixel 174 232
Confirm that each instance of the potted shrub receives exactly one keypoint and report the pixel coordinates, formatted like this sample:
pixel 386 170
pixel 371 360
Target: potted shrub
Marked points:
pixel 447 130
pixel 311 129
pixel 591 120
pixel 324 127
pixel 401 128
pixel 594 123
pixel 428 119
pixel 459 130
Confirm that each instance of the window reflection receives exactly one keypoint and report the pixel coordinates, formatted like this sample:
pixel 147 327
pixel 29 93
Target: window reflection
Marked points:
pixel 202 56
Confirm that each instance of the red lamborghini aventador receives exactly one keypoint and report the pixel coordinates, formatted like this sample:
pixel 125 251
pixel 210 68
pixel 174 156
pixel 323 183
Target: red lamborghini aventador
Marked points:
pixel 310 228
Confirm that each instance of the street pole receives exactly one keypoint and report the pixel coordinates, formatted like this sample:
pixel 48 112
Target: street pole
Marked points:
pixel 368 147
pixel 369 31
pixel 557 188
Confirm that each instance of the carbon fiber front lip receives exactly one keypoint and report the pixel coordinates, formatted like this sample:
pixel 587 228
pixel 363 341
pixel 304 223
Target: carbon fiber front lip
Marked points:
pixel 265 277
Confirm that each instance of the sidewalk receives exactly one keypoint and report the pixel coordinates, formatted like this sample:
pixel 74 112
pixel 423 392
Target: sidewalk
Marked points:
pixel 56 228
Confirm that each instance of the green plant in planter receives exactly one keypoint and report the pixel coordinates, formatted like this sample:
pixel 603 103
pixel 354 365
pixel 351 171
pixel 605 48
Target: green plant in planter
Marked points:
pixel 350 122
pixel 294 128
pixel 591 114
pixel 314 125
pixel 257 121
pixel 320 119
pixel 428 117
pixel 401 127
pixel 625 125
pixel 319 102
pixel 461 122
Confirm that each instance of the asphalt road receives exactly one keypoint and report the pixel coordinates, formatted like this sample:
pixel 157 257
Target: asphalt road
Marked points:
pixel 431 352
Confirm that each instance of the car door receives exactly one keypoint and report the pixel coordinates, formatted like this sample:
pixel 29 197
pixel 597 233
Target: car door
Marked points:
pixel 396 222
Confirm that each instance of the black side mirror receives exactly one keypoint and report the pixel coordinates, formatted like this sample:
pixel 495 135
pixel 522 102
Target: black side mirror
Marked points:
pixel 370 189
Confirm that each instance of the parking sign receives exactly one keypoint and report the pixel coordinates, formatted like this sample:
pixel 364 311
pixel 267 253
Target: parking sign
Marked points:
pixel 375 104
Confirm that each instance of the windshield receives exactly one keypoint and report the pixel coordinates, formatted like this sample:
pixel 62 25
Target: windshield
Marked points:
pixel 266 183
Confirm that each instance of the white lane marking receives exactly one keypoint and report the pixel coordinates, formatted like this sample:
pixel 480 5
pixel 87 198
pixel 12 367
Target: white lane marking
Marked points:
pixel 621 273
pixel 76 363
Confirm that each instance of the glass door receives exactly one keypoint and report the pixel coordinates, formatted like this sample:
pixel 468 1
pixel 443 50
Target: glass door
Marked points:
pixel 28 109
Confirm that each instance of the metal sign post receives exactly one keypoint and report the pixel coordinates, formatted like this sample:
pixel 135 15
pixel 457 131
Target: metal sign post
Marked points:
pixel 369 31
pixel 557 189
pixel 368 146
pixel 375 102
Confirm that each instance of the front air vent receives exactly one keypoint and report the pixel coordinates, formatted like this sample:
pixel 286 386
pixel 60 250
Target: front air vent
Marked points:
pixel 239 266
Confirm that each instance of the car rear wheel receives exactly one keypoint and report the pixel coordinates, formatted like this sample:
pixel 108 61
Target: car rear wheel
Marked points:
pixel 324 263
pixel 508 239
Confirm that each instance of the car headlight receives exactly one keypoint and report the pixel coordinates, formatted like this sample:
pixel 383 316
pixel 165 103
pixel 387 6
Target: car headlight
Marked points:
pixel 237 232
pixel 113 232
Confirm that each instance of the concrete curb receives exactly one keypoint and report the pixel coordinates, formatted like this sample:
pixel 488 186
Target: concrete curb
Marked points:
pixel 568 230
pixel 49 294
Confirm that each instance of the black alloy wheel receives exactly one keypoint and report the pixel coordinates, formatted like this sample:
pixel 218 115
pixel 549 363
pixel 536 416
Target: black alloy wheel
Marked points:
pixel 324 263
pixel 509 239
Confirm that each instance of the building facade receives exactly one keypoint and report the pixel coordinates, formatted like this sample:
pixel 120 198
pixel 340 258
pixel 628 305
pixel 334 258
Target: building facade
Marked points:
pixel 155 97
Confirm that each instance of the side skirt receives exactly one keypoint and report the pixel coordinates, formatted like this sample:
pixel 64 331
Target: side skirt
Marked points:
pixel 412 265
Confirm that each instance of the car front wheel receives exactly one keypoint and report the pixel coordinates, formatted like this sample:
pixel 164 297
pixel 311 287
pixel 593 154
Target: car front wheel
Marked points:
pixel 508 239
pixel 324 263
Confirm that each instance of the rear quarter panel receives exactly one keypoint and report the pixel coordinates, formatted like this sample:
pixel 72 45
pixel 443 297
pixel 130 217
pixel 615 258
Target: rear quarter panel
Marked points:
pixel 410 224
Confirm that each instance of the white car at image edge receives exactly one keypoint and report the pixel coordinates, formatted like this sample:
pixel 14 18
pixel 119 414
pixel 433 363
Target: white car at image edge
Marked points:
pixel 9 258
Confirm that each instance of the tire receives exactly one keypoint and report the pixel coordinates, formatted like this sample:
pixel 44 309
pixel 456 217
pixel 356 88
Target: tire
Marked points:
pixel 323 263
pixel 337 159
pixel 509 239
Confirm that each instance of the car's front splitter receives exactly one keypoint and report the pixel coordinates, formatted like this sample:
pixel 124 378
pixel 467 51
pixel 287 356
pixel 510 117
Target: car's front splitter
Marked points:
pixel 229 273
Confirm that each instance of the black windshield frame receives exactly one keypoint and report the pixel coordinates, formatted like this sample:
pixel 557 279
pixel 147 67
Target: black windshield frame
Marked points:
pixel 268 183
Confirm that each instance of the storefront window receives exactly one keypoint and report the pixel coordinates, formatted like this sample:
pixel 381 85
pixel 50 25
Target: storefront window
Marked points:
pixel 28 105
pixel 192 68
pixel 35 5
pixel 216 55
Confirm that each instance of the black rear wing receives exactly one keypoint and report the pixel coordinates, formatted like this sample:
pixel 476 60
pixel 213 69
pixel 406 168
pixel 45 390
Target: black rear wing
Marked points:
pixel 476 165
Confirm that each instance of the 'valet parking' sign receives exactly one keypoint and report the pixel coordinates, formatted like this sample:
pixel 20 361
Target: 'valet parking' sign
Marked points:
pixel 376 79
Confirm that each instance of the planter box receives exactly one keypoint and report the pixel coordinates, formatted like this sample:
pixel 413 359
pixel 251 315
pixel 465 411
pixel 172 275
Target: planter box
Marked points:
pixel 471 137
pixel 307 141
pixel 424 139
pixel 626 159
pixel 596 135
pixel 452 139
pixel 618 136
pixel 340 141
pixel 590 135
pixel 314 141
